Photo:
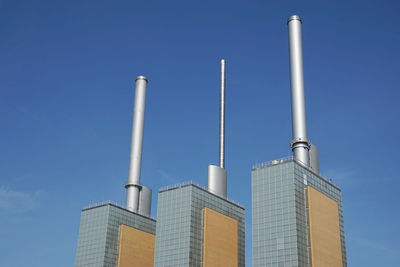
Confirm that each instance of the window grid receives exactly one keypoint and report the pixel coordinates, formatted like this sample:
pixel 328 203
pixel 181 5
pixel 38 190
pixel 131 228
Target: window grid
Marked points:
pixel 280 229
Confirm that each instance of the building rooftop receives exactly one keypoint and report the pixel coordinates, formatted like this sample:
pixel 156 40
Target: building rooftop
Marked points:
pixel 111 203
pixel 290 159
pixel 191 183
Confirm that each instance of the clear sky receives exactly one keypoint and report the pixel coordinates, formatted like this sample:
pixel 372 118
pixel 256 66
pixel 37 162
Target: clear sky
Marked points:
pixel 67 72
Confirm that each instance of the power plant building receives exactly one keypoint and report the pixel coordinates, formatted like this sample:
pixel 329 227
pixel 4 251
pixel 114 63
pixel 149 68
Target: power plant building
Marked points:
pixel 198 228
pixel 110 235
pixel 297 213
pixel 297 217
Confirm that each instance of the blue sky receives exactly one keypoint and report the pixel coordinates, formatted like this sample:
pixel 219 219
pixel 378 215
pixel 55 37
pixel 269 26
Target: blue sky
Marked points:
pixel 67 72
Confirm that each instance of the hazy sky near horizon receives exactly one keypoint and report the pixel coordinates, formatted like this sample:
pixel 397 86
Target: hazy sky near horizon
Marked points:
pixel 67 72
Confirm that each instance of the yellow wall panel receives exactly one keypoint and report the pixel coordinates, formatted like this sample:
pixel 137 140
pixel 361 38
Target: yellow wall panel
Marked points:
pixel 324 230
pixel 136 247
pixel 220 243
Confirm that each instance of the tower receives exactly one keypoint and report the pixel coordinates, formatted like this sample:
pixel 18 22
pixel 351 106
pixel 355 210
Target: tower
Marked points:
pixel 198 226
pixel 297 214
pixel 111 235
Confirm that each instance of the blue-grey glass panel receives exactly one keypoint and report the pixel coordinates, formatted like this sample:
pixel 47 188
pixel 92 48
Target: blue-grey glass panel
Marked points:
pixel 99 234
pixel 179 234
pixel 279 213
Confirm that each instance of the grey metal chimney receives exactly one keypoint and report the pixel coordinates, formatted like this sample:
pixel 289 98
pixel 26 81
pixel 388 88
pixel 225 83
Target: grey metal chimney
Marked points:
pixel 217 175
pixel 222 118
pixel 300 144
pixel 138 197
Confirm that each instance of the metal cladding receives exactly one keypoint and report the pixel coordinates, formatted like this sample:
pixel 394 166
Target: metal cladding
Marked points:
pixel 217 174
pixel 133 187
pixel 145 201
pixel 314 162
pixel 216 183
pixel 222 118
pixel 300 144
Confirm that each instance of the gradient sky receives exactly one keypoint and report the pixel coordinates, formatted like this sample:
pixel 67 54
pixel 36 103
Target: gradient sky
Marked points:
pixel 67 72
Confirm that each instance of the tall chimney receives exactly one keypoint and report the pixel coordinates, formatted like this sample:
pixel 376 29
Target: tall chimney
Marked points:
pixel 133 186
pixel 217 174
pixel 300 144
pixel 222 118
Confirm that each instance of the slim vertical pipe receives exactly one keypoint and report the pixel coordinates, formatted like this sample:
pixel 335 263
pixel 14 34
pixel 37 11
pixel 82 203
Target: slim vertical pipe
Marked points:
pixel 300 144
pixel 222 118
pixel 216 175
pixel 133 185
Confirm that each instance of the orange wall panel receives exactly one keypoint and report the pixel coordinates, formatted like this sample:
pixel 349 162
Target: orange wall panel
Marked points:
pixel 220 243
pixel 136 247
pixel 323 214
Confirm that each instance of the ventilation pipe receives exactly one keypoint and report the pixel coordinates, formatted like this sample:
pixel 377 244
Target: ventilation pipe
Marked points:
pixel 217 174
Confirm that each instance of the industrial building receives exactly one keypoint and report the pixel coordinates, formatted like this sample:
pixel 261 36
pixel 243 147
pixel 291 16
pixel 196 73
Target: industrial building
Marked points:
pixel 110 235
pixel 297 214
pixel 297 217
pixel 199 226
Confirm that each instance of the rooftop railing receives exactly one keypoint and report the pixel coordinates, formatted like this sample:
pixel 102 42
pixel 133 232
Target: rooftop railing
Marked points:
pixel 272 162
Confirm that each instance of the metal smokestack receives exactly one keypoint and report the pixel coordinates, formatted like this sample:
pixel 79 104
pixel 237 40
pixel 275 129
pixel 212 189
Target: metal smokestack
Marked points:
pixel 300 144
pixel 133 186
pixel 222 118
pixel 217 174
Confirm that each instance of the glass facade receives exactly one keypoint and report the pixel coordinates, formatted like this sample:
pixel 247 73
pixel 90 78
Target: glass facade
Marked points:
pixel 99 233
pixel 280 216
pixel 179 234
